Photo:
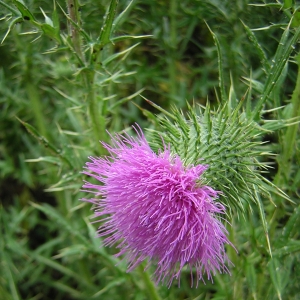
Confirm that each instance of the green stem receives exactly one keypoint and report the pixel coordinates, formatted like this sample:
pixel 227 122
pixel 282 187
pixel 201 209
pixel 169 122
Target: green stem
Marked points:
pixel 36 106
pixel 152 292
pixel 172 51
pixel 286 157
pixel 73 8
pixel 34 94
pixel 95 112
pixel 291 133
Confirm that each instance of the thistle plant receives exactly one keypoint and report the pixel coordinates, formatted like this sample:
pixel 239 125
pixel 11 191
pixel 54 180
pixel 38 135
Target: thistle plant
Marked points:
pixel 203 192
pixel 140 209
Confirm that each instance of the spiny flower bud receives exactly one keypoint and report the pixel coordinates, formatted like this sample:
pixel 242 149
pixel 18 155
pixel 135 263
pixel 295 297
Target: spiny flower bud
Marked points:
pixel 227 142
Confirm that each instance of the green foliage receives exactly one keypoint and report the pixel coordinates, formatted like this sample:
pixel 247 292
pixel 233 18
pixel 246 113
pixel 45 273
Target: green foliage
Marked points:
pixel 71 70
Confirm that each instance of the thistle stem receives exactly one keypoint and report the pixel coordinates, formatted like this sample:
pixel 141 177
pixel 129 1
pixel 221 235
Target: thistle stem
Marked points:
pixel 289 138
pixel 96 117
pixel 285 159
pixel 95 114
pixel 33 95
pixel 73 8
pixel 152 292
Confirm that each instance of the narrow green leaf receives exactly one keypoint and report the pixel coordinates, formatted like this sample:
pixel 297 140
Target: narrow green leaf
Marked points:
pixel 59 267
pixel 9 8
pixel 296 19
pixel 53 214
pixel 275 274
pixel 256 85
pixel 220 65
pixel 128 37
pixel 80 29
pixel 149 115
pixel 263 58
pixel 11 25
pixel 7 266
pixel 262 217
pixel 123 15
pixel 232 99
pixel 283 52
pixel 55 17
pixel 116 55
pixel 67 290
pixel 291 224
pixel 124 100
pixel 290 247
pixel 49 159
pixel 44 141
pixel 50 32
pixel 47 19
pixel 159 108
pixel 277 5
pixel 251 277
pixel 287 4
pixel 77 249
pixel 26 14
pixel 109 286
pixel 106 29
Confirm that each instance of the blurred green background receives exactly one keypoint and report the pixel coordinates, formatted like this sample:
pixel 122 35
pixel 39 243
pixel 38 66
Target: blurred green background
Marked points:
pixel 48 246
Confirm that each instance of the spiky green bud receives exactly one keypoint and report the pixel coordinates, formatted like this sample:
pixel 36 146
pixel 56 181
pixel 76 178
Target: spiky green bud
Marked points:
pixel 229 143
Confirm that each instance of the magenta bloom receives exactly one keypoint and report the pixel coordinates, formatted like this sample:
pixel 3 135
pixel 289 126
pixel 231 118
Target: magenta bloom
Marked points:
pixel 156 209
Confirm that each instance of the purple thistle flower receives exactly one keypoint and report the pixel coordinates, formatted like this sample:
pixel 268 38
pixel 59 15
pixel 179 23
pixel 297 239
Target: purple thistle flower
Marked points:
pixel 156 209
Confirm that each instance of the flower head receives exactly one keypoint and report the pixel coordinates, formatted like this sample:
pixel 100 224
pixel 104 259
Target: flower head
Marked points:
pixel 157 210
